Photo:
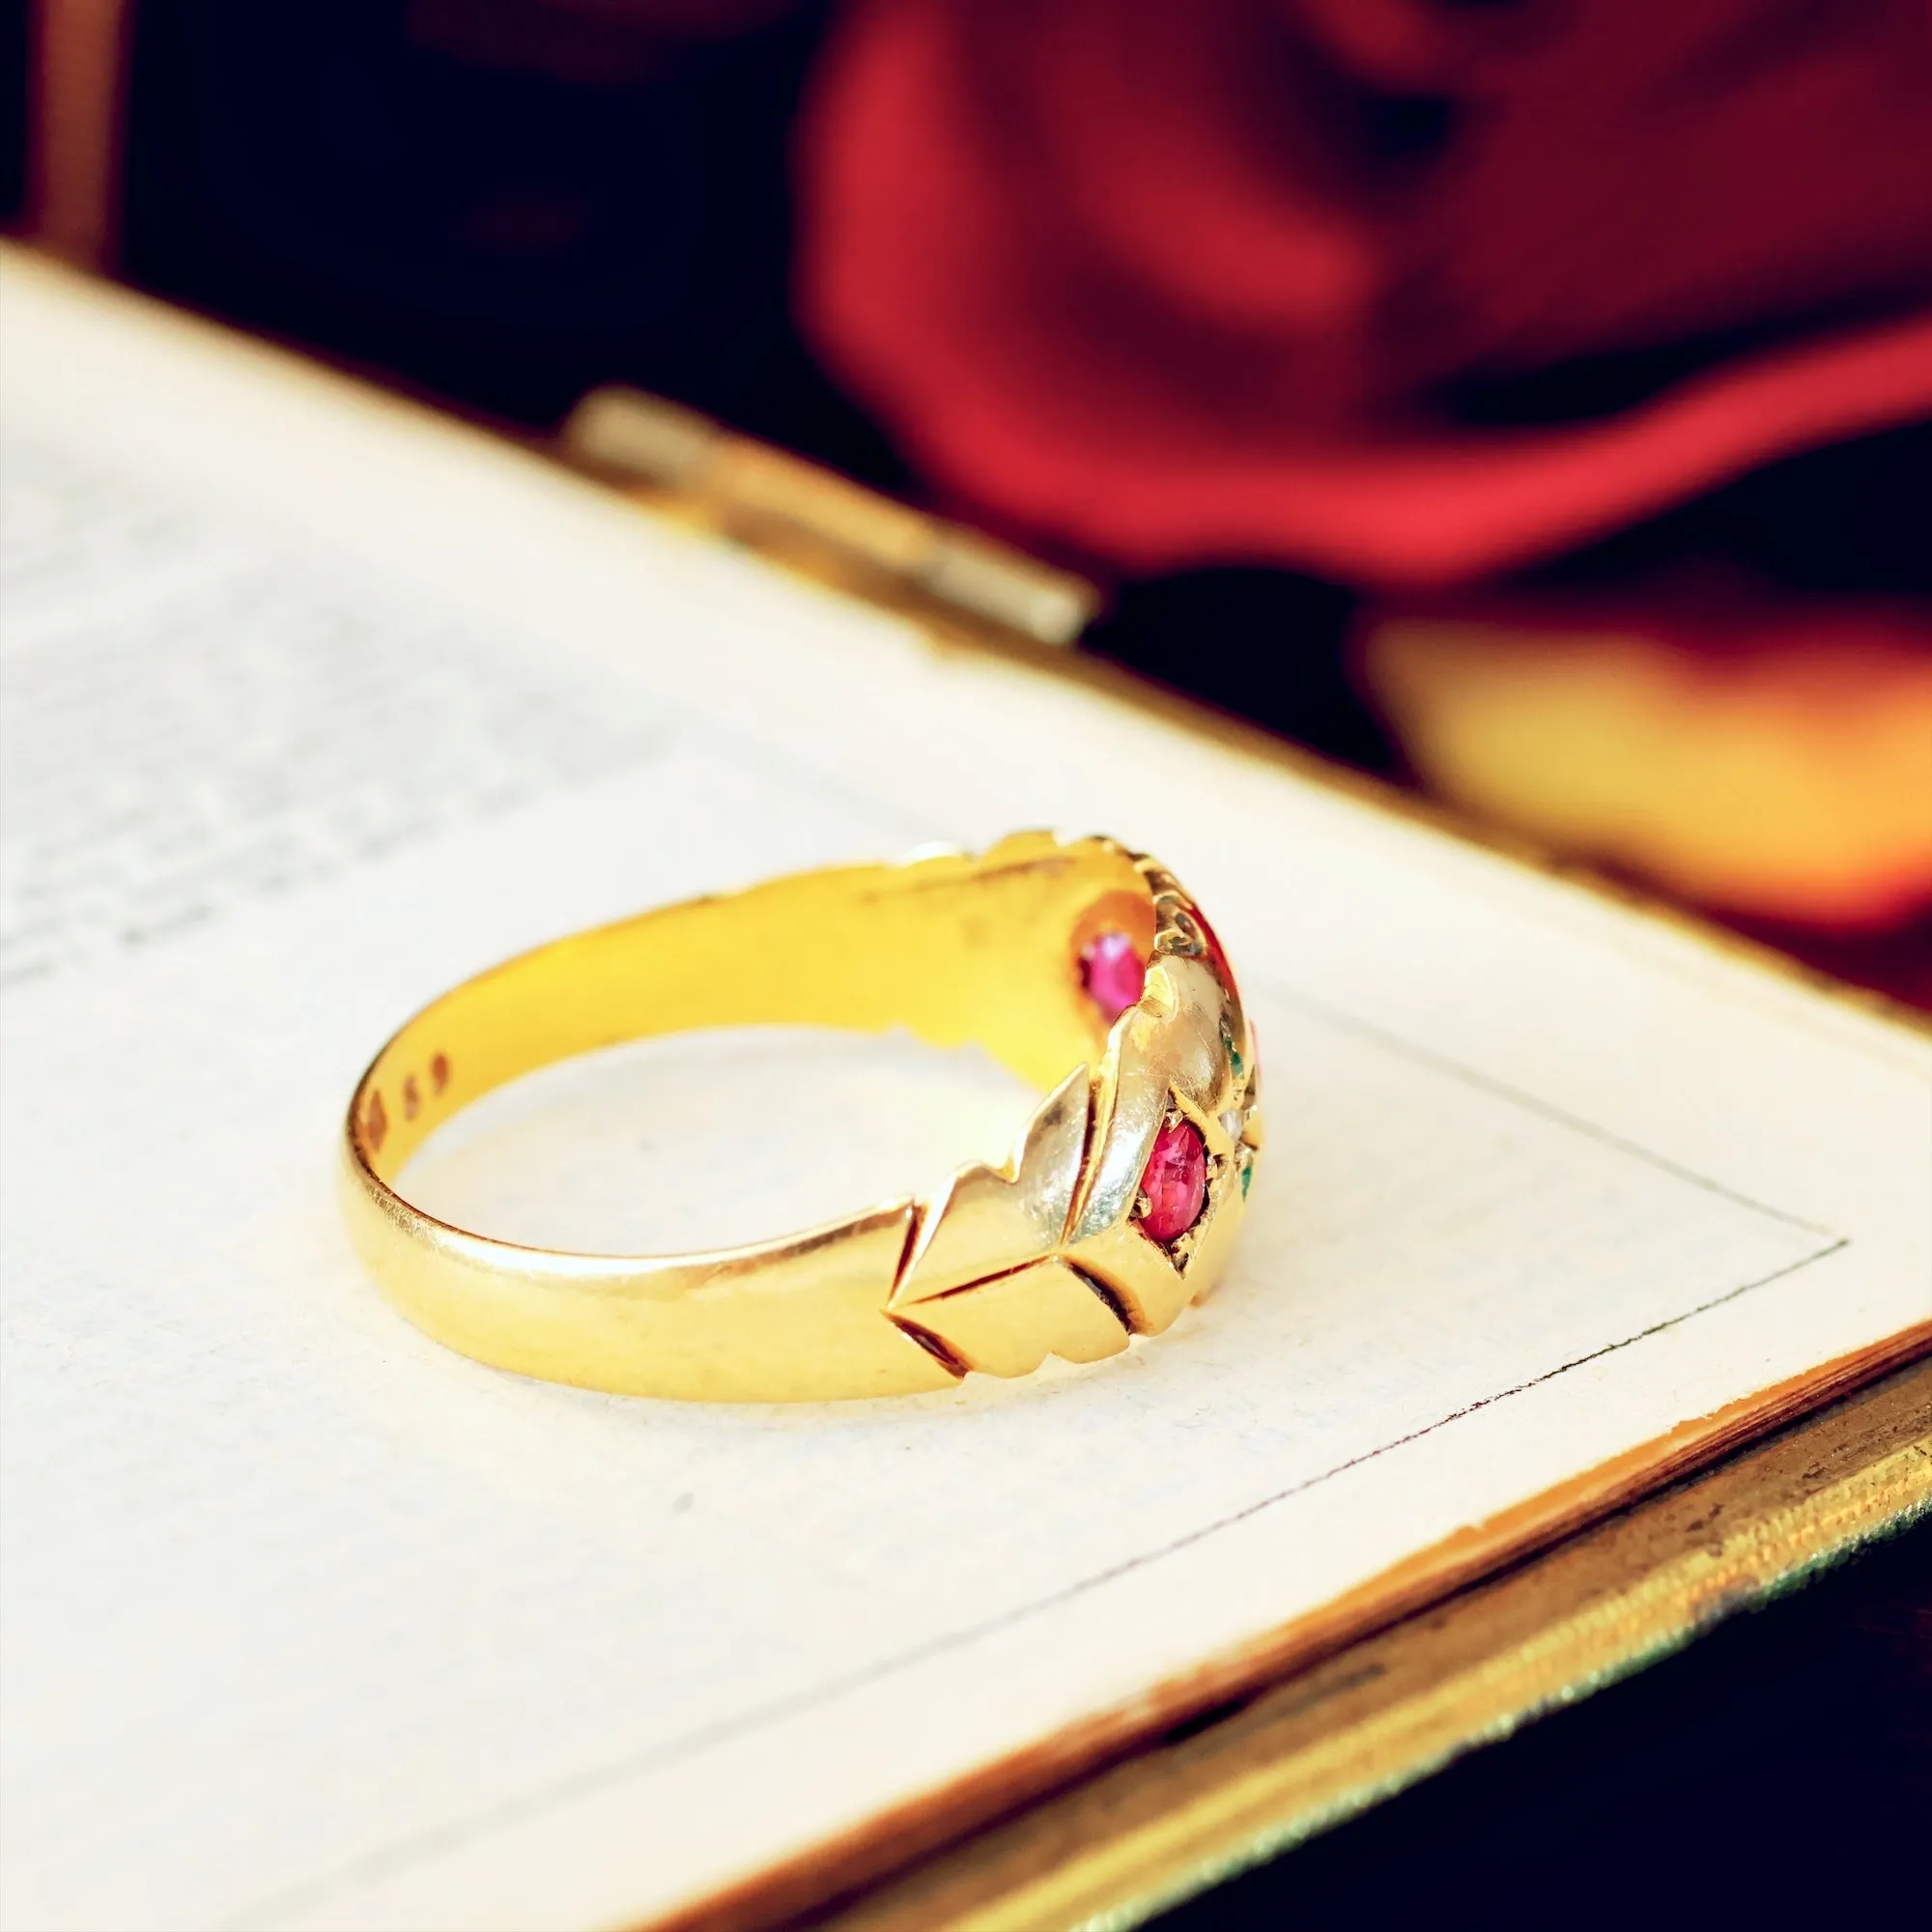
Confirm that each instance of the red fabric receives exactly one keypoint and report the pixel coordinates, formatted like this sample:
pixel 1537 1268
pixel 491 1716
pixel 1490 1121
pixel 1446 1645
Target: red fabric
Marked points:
pixel 1171 281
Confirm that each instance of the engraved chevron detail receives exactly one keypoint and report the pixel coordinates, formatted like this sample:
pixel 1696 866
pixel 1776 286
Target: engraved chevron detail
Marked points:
pixel 1046 1255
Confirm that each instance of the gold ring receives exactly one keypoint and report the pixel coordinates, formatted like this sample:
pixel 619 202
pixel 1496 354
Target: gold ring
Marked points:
pixel 1083 967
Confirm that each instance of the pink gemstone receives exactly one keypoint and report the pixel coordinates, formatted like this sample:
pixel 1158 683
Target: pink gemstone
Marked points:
pixel 1176 1182
pixel 1113 973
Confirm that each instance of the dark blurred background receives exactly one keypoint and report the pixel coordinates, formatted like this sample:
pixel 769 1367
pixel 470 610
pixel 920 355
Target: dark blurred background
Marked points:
pixel 1777 1773
pixel 502 203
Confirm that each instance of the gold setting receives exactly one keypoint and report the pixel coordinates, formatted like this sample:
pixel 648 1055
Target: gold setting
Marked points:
pixel 1003 1266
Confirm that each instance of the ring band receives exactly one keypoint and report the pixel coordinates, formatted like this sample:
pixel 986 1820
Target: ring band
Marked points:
pixel 1083 967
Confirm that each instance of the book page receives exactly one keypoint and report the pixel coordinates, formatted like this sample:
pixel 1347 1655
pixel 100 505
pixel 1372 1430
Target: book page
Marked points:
pixel 314 705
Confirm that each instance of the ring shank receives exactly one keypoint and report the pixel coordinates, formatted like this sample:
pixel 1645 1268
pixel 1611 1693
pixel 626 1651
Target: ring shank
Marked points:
pixel 952 949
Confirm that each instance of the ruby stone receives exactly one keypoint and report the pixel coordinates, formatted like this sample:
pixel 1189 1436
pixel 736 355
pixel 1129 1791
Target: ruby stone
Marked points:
pixel 1113 973
pixel 1175 1182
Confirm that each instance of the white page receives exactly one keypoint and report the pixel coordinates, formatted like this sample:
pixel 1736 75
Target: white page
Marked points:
pixel 314 706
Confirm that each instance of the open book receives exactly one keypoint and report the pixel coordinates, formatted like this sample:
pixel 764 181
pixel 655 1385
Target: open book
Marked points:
pixel 316 704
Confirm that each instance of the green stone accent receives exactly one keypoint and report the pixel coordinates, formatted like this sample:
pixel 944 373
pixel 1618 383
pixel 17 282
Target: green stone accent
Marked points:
pixel 1234 1052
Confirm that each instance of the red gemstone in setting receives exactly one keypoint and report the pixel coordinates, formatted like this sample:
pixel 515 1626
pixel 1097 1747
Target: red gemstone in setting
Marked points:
pixel 1176 1182
pixel 1114 973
